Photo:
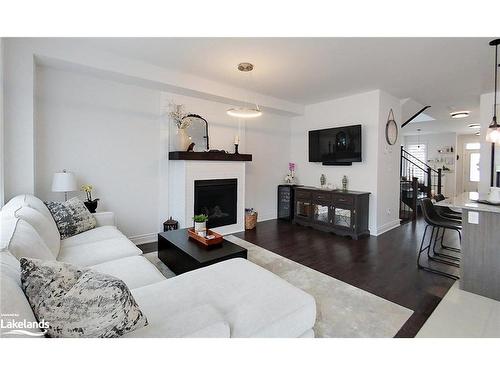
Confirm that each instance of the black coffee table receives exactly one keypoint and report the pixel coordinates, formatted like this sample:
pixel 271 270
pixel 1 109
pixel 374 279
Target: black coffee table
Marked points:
pixel 181 254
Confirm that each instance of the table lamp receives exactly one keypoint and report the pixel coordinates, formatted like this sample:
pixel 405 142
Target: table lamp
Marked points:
pixel 63 182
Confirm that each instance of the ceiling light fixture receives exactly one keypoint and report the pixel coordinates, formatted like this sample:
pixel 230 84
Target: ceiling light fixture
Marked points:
pixel 493 134
pixel 478 133
pixel 460 114
pixel 245 112
pixel 474 126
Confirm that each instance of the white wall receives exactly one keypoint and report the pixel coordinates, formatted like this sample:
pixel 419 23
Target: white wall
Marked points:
pixel 435 142
pixel 18 120
pixel 268 140
pixel 369 109
pixel 388 159
pixel 107 134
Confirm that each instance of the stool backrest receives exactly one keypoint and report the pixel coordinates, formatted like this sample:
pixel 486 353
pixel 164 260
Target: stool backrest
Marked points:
pixel 430 214
pixel 439 198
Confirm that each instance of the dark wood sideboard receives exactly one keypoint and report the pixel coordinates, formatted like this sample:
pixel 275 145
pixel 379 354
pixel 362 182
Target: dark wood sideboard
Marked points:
pixel 338 211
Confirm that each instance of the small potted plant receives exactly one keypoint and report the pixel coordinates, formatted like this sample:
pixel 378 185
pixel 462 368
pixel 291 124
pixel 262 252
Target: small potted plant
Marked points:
pixel 90 203
pixel 200 223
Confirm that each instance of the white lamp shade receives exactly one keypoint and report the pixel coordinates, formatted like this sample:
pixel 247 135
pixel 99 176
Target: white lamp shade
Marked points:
pixel 63 182
pixel 493 135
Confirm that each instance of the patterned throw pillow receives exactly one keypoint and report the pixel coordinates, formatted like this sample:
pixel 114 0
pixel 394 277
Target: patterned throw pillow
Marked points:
pixel 71 217
pixel 79 302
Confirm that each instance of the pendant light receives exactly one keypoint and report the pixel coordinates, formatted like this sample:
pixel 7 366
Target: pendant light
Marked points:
pixel 493 134
pixel 245 112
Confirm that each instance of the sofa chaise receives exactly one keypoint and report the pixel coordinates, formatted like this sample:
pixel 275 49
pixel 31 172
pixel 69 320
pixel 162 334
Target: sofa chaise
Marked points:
pixel 235 298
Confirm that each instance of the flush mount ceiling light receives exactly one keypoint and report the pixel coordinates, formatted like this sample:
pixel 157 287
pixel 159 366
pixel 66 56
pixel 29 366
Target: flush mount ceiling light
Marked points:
pixel 243 112
pixel 474 126
pixel 250 111
pixel 460 114
pixel 493 134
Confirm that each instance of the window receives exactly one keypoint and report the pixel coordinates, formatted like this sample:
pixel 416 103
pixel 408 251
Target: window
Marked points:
pixel 419 151
pixel 474 167
pixel 473 146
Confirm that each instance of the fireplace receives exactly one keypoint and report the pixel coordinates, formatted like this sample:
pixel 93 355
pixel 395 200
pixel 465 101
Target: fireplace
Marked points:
pixel 218 199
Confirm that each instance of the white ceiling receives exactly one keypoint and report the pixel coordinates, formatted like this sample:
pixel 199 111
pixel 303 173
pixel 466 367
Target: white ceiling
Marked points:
pixel 446 73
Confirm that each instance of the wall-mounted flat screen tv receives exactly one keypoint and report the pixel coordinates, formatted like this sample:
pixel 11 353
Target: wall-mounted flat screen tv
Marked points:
pixel 335 146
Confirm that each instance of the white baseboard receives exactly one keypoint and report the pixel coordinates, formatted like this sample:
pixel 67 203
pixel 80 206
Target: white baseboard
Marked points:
pixel 144 238
pixel 264 216
pixel 387 227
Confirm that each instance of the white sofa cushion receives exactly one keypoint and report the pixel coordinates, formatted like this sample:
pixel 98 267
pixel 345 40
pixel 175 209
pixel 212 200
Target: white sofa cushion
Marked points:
pixel 92 253
pixel 37 204
pixel 45 226
pixel 26 242
pixel 93 235
pixel 14 307
pixel 254 301
pixel 135 271
pixel 200 321
pixel 12 205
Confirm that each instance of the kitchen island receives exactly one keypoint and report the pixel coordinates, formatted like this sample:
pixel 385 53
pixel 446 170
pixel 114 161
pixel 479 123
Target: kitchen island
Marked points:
pixel 480 255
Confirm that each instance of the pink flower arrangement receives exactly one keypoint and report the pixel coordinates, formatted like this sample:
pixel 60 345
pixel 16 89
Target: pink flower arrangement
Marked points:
pixel 291 167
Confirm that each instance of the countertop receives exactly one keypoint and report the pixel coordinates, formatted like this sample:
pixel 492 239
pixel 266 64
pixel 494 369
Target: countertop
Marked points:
pixel 469 201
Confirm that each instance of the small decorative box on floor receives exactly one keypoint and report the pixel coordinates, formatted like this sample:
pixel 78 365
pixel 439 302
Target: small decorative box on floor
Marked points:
pixel 212 238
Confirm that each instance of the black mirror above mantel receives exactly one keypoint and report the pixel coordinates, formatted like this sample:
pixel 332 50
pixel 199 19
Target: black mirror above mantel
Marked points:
pixel 208 156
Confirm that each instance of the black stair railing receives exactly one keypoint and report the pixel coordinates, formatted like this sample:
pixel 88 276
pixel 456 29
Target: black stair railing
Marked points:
pixel 417 180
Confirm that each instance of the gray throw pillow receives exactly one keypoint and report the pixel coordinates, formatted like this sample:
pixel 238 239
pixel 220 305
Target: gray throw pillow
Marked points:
pixel 71 217
pixel 79 302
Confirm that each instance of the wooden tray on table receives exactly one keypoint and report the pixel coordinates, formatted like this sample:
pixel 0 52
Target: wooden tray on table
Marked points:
pixel 204 241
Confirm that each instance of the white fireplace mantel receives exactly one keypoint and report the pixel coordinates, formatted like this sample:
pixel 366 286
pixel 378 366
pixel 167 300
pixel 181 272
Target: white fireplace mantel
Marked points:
pixel 183 173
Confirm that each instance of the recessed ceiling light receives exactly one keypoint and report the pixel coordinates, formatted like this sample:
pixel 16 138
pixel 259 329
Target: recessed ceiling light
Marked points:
pixel 474 126
pixel 460 114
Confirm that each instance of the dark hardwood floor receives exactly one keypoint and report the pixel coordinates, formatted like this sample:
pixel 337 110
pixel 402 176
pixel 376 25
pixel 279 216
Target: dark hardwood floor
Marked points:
pixel 383 265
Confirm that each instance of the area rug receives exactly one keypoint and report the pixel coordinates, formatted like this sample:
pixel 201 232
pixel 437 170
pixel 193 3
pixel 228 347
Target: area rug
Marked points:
pixel 342 309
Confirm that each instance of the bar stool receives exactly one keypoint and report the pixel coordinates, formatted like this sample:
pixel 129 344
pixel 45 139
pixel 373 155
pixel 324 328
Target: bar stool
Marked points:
pixel 447 213
pixel 454 218
pixel 436 222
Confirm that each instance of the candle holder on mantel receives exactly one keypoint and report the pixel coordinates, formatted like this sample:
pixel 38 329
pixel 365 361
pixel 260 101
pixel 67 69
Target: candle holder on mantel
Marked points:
pixel 236 149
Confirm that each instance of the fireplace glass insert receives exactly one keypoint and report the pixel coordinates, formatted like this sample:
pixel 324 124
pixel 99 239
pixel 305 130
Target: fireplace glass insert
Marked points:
pixel 217 199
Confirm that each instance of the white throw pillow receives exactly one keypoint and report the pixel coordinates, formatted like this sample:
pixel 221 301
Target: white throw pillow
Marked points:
pixel 45 226
pixel 26 242
pixel 79 302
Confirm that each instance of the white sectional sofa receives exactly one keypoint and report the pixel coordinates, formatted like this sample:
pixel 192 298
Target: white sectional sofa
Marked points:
pixel 235 298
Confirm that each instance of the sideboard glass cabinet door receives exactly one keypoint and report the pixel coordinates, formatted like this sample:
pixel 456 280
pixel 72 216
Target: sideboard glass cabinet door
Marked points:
pixel 303 209
pixel 320 213
pixel 342 217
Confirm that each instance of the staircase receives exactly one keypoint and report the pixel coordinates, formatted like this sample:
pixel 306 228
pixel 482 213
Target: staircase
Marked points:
pixel 417 180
